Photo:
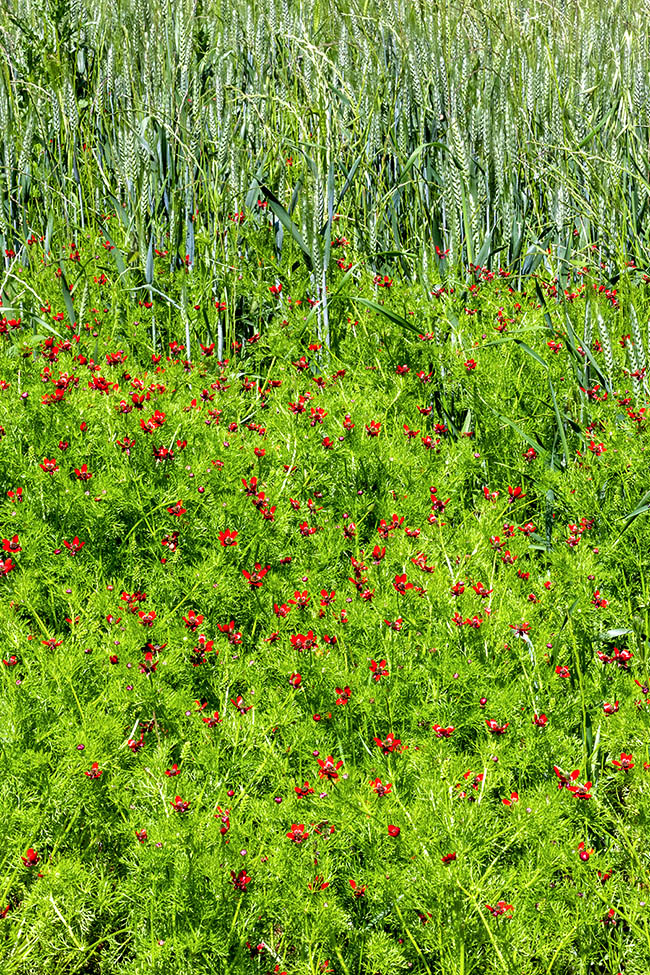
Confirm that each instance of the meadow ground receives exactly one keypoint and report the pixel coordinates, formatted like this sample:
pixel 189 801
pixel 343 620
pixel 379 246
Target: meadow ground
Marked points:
pixel 310 655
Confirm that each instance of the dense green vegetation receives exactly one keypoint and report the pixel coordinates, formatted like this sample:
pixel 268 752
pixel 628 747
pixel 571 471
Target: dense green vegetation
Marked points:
pixel 324 489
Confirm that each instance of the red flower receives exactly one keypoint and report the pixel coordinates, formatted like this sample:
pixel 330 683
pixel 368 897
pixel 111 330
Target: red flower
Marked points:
pixel 384 282
pixel 328 770
pixel 394 830
pixel 148 666
pixel 317 884
pixel 75 546
pixel 300 599
pixel 224 816
pixel 94 772
pixel 192 620
pixel 82 473
pixel 540 720
pixel 302 791
pixel 174 770
pixel 302 641
pixel 389 745
pixel 562 671
pixel 228 537
pixel 480 590
pixel 31 858
pixel 141 835
pixel 565 780
pixel 356 890
pixel 234 636
pixel 610 708
pixel 441 732
pixel 373 428
pixel 177 509
pixel 620 657
pixel 378 554
pixel 521 629
pixel 500 910
pixel 297 833
pixel 49 466
pixel 378 670
pixel 134 745
pixel 420 560
pixel 476 783
pixel 574 787
pixel 11 545
pixel 256 577
pixel 132 599
pixel 437 503
pixel 240 880
pixel 494 728
pixel 448 858
pixel 583 852
pixel 51 644
pixel 514 797
pixel 198 653
pixel 239 704
pixel 380 788
pixel 344 694
pixel 179 805
pixel 596 448
pixel 295 680
pixel 250 489
pixel 213 721
pixel 401 585
pixel 625 764
pixel 395 625
pixel 514 494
